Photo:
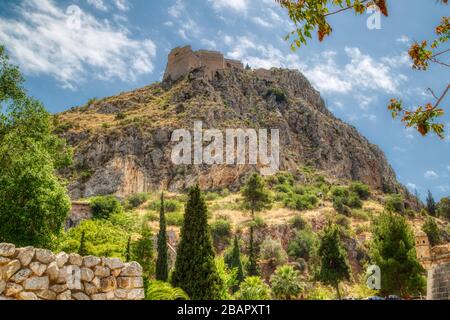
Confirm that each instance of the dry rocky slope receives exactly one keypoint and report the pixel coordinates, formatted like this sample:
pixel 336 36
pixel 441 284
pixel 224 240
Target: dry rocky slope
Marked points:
pixel 122 143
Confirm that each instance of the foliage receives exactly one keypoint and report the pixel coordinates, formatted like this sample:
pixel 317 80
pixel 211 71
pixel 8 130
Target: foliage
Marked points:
pixel 162 267
pixel 299 223
pixel 82 249
pixel 228 277
pixel 361 189
pixel 104 206
pixel 170 205
pixel 236 262
pixel 444 208
pixel 102 239
pixel 279 94
pixel 135 200
pixel 142 251
pixel 334 266
pixel 195 270
pixel 273 252
pixel 256 196
pixel 120 115
pixel 431 228
pixel 175 219
pixel 301 202
pixel 303 244
pixel 33 199
pixel 221 230
pixel 252 266
pixel 286 283
pixel 431 204
pixel 258 222
pixel 320 292
pixel 393 250
pixel 253 288
pixel 127 221
pixel 158 290
pixel 395 203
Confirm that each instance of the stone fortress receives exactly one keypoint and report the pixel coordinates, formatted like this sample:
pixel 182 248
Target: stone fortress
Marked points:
pixel 436 260
pixel 183 60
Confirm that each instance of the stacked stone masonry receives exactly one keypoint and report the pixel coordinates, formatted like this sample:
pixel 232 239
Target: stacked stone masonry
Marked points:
pixel 183 60
pixel 38 274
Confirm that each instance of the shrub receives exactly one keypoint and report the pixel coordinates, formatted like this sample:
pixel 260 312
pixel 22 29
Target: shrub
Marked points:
pixel 103 206
pixel 443 208
pixel 286 283
pixel 279 94
pixel 302 245
pixel 361 189
pixel 353 201
pixel 361 214
pixel 395 203
pixel 120 115
pixel 342 221
pixel 129 222
pixel 298 222
pixel 175 219
pixel 301 202
pixel 340 205
pixel 273 252
pixel 431 228
pixel 211 196
pixel 259 222
pixel 253 288
pixel 339 192
pixel 220 230
pixel 170 205
pixel 135 200
pixel 158 290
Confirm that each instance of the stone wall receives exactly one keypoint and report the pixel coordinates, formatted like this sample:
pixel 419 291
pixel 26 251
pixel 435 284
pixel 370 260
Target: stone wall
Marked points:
pixel 438 286
pixel 38 274
pixel 80 211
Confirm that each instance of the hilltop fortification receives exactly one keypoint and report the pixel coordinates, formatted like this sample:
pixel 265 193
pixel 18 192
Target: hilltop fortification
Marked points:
pixel 183 60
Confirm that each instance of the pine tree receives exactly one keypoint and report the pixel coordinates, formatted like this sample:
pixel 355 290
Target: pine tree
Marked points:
pixel 431 204
pixel 252 269
pixel 236 262
pixel 142 251
pixel 161 262
pixel 334 266
pixel 195 270
pixel 128 250
pixel 82 251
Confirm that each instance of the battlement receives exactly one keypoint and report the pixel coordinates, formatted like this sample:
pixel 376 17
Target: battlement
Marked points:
pixel 182 60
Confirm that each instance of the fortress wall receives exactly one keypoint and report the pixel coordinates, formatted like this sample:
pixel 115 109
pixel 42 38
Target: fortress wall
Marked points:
pixel 38 274
pixel 229 63
pixel 438 283
pixel 180 62
pixel 212 60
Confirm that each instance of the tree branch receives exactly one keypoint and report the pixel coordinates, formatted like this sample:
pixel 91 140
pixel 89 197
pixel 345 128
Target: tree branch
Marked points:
pixel 442 97
pixel 343 9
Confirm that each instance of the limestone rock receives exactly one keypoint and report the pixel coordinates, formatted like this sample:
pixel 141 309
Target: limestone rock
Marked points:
pixel 6 272
pixel 27 296
pixel 91 261
pixel 136 294
pixel 99 296
pixel 4 261
pixel 130 282
pixel 7 250
pixel 58 288
pixel 90 288
pixel 113 263
pixel 74 278
pixel 61 259
pixel 121 294
pixel 21 275
pixel 36 283
pixel 12 289
pixel 108 284
pixel 132 269
pixel 66 295
pixel 102 272
pixel 38 268
pixel 80 296
pixel 26 255
pixel 87 274
pixel 44 256
pixel 75 259
pixel 46 294
pixel 52 271
pixel 2 286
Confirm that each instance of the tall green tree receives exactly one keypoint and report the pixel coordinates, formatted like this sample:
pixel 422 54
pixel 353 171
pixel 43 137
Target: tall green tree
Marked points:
pixel 286 283
pixel 393 250
pixel 431 204
pixel 142 251
pixel 195 270
pixel 431 228
pixel 82 251
pixel 252 267
pixel 236 262
pixel 444 208
pixel 334 266
pixel 128 250
pixel 33 199
pixel 162 268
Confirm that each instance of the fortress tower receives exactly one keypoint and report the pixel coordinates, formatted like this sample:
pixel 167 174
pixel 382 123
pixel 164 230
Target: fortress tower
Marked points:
pixel 182 60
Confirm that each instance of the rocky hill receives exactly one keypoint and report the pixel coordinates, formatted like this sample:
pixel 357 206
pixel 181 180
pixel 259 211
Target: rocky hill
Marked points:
pixel 122 143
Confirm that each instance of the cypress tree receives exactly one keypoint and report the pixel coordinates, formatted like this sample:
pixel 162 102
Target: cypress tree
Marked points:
pixel 195 270
pixel 431 204
pixel 82 251
pixel 161 262
pixel 236 262
pixel 142 251
pixel 252 268
pixel 127 252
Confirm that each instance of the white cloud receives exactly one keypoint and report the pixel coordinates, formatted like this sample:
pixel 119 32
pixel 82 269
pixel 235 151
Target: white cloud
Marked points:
pixel 71 45
pixel 261 22
pixel 448 168
pixel 236 5
pixel 411 186
pixel 177 9
pixel 99 4
pixel 444 188
pixel 403 39
pixel 430 174
pixel 122 5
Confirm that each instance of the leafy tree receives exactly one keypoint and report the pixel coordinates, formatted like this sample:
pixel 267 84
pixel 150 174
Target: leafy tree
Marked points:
pixel 142 251
pixel 82 250
pixel 286 283
pixel 303 244
pixel 253 288
pixel 256 195
pixel 395 203
pixel 162 268
pixel 236 262
pixel 361 189
pixel 393 250
pixel 252 267
pixel 272 251
pixel 220 231
pixel 444 208
pixel 334 266
pixel 195 271
pixel 33 199
pixel 135 200
pixel 104 206
pixel 431 228
pixel 309 15
pixel 431 204
pixel 159 290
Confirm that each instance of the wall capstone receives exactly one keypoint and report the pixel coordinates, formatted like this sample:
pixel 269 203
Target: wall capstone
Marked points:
pixel 39 274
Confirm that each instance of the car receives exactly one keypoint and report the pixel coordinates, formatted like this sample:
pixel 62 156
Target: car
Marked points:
pixel 375 298
pixel 393 297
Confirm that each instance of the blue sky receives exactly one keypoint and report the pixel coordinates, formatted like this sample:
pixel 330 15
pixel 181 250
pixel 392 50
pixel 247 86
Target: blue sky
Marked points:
pixel 73 50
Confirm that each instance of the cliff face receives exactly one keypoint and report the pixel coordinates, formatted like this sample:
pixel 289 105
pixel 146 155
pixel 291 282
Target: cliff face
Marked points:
pixel 122 144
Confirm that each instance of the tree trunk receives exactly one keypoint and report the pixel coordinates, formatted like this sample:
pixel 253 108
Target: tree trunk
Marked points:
pixel 337 291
